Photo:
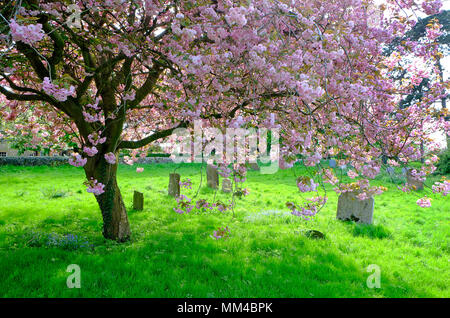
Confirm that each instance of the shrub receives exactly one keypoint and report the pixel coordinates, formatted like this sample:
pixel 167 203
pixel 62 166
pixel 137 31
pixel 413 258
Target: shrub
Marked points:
pixel 52 193
pixel 443 166
pixel 33 161
pixel 66 242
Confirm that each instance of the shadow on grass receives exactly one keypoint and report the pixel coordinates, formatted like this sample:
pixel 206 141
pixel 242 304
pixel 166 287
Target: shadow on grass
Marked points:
pixel 174 262
pixel 371 231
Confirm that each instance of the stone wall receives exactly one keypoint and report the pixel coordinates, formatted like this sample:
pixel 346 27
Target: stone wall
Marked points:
pixel 10 152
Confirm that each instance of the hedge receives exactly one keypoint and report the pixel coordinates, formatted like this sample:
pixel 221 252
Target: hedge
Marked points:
pixel 59 160
pixel 34 161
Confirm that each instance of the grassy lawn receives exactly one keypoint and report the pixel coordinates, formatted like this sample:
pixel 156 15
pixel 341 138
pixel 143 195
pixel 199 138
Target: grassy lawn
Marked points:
pixel 171 255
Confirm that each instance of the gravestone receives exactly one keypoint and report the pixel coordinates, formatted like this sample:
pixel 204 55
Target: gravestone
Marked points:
pixel 332 163
pixel 226 185
pixel 350 208
pixel 253 166
pixel 390 170
pixel 138 201
pixel 174 185
pixel 212 177
pixel 413 182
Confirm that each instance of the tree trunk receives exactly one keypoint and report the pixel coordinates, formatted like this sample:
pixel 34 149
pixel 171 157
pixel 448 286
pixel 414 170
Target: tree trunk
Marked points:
pixel 115 218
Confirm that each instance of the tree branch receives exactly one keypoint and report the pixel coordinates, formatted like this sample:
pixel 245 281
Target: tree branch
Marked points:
pixel 143 142
pixel 21 97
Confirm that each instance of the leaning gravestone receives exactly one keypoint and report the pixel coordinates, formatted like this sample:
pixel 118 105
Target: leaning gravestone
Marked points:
pixel 212 177
pixel 138 201
pixel 226 185
pixel 174 185
pixel 350 208
pixel 412 181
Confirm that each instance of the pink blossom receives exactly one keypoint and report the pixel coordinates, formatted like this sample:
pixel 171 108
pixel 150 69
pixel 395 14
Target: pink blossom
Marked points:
pixel 418 175
pixel 202 204
pixel 130 96
pixel 59 94
pixel 329 177
pixel 313 160
pixel 393 163
pixel 236 16
pixel 424 202
pixel 443 187
pixel 95 187
pixel 306 212
pixel 221 233
pixel 90 151
pixel 405 188
pixel 28 34
pixel 362 196
pixel 77 161
pixel 95 139
pixel 139 170
pixel 431 7
pixel 305 185
pixel 197 59
pixel 184 205
pixel 224 171
pixel 95 105
pixel 110 158
pixel 91 118
pixel 125 49
pixel 352 174
pixel 371 171
pixel 187 183
pixel 128 160
pixel 285 165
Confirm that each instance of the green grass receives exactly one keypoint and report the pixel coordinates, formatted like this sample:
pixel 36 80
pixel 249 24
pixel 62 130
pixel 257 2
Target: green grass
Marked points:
pixel 171 255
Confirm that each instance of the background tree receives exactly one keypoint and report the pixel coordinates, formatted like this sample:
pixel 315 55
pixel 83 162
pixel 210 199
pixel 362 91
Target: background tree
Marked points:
pixel 419 33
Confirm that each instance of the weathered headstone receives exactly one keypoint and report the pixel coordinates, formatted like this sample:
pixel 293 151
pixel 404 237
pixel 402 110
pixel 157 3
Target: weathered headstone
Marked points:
pixel 390 170
pixel 412 181
pixel 253 166
pixel 226 185
pixel 138 201
pixel 174 185
pixel 212 177
pixel 332 163
pixel 350 208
